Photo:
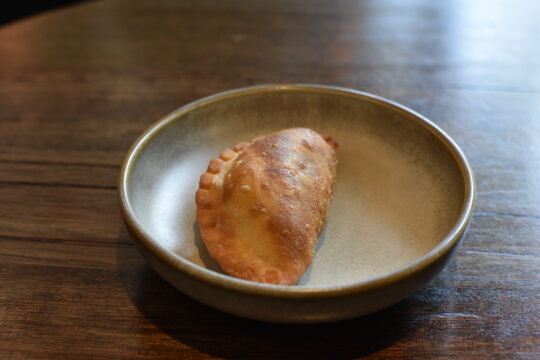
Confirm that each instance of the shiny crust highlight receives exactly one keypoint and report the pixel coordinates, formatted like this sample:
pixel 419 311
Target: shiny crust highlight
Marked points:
pixel 262 205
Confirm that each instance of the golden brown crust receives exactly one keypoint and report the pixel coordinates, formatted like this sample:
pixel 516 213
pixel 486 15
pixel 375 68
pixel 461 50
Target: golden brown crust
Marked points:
pixel 262 206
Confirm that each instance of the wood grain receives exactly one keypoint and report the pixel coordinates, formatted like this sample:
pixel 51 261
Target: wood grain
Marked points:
pixel 79 84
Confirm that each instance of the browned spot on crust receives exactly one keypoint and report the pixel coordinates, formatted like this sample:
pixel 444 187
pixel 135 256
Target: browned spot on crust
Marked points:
pixel 227 154
pixel 257 209
pixel 206 181
pixel 330 141
pixel 240 146
pixel 215 166
pixel 272 276
pixel 206 217
pixel 203 198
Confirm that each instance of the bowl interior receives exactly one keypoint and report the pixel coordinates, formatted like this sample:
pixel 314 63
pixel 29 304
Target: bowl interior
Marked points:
pixel 399 189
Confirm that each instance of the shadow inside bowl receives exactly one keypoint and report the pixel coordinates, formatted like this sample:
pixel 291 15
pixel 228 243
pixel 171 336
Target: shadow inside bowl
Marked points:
pixel 208 262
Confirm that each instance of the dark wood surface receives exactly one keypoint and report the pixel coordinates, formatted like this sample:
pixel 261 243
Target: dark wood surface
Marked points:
pixel 77 85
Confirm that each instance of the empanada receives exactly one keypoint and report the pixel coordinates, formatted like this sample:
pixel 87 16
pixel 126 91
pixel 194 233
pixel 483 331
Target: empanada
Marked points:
pixel 262 205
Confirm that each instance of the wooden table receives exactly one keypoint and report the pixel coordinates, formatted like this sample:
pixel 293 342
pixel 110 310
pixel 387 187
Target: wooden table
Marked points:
pixel 77 85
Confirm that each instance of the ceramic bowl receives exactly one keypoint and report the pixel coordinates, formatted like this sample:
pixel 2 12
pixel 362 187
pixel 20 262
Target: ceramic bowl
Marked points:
pixel 403 199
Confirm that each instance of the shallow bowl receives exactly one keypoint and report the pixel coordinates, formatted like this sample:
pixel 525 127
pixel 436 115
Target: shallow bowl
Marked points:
pixel 403 199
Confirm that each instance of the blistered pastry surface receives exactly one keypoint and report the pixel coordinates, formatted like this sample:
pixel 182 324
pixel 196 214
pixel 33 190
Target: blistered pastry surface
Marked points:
pixel 262 205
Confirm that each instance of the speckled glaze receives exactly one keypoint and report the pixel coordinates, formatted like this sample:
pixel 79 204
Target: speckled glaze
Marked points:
pixel 403 199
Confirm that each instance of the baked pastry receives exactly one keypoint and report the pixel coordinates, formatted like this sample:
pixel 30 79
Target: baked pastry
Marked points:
pixel 262 205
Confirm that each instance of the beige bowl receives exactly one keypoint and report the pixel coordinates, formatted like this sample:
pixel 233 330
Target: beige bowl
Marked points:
pixel 403 199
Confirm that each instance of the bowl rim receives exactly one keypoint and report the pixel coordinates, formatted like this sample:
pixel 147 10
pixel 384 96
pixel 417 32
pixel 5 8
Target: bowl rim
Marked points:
pixel 283 291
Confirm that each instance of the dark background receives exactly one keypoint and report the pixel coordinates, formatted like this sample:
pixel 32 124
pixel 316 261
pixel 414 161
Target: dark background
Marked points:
pixel 20 9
